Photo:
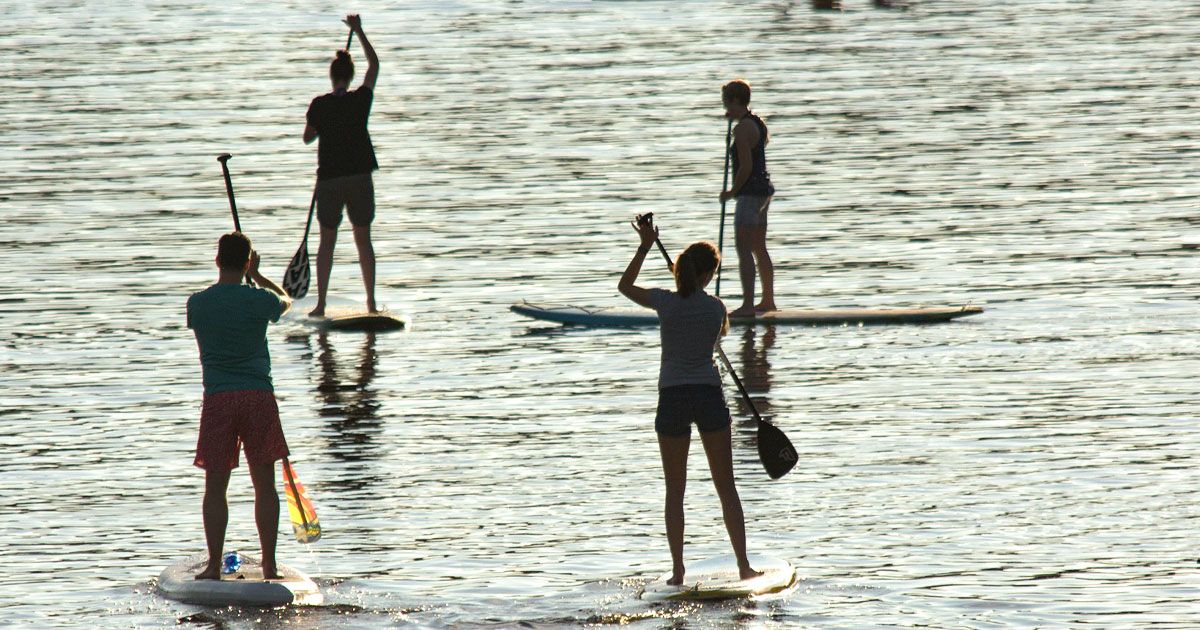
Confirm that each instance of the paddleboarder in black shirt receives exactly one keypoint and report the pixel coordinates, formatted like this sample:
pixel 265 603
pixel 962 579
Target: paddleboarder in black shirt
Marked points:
pixel 345 160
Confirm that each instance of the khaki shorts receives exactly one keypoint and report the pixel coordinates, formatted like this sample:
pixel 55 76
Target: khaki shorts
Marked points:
pixel 354 192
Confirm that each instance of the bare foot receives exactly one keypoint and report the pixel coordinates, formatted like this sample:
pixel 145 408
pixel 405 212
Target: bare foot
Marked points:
pixel 209 573
pixel 765 307
pixel 676 578
pixel 319 311
pixel 743 311
pixel 271 574
pixel 371 308
pixel 747 572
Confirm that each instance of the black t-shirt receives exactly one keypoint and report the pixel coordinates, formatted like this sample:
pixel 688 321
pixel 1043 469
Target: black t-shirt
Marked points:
pixel 340 119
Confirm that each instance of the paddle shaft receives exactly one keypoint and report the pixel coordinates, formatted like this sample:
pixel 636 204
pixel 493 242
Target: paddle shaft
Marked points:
pixel 724 185
pixel 237 225
pixel 291 478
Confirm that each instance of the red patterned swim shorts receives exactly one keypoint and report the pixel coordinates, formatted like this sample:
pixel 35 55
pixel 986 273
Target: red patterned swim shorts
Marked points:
pixel 229 420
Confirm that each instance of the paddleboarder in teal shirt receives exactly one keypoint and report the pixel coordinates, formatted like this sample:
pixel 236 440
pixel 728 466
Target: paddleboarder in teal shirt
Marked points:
pixel 345 160
pixel 230 322
pixel 689 389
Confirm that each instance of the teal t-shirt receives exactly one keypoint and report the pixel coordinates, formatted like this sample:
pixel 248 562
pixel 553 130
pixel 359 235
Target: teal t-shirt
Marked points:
pixel 230 322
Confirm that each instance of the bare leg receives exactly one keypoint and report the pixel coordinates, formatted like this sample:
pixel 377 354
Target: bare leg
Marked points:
pixel 366 260
pixel 324 267
pixel 744 243
pixel 266 515
pixel 216 516
pixel 674 451
pixel 766 269
pixel 719 449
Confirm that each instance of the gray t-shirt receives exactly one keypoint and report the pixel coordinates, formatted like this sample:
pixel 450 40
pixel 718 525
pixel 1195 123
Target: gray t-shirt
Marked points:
pixel 689 328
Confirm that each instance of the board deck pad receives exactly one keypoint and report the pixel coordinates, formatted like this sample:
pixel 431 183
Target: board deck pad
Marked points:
pixel 245 587
pixel 355 318
pixel 718 578
pixel 620 318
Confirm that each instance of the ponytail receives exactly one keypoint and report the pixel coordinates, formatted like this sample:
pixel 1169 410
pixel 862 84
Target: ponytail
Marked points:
pixel 697 261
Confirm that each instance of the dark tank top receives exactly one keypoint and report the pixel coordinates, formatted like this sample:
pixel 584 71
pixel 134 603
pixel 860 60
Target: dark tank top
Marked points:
pixel 759 184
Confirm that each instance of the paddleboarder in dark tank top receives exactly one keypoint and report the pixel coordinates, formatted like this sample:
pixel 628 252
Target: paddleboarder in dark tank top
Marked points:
pixel 752 190
pixel 345 160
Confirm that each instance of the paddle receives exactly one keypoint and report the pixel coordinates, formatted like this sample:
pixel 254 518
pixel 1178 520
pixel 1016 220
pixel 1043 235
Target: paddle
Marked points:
pixel 237 225
pixel 298 274
pixel 300 510
pixel 775 450
pixel 724 184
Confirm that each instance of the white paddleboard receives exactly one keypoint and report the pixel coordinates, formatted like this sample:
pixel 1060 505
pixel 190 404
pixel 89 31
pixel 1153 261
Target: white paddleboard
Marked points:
pixel 245 587
pixel 718 578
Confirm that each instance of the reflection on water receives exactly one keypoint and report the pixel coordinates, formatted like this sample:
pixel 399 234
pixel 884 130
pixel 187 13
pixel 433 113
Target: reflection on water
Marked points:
pixel 755 369
pixel 350 405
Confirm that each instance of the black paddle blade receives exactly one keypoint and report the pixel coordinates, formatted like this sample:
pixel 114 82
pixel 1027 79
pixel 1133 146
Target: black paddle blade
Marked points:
pixel 775 450
pixel 295 279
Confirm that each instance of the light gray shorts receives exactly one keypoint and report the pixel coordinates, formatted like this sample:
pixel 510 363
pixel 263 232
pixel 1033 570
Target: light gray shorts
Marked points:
pixel 751 212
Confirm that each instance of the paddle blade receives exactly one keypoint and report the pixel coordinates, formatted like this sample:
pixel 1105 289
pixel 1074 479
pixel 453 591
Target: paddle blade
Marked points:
pixel 775 450
pixel 300 509
pixel 295 279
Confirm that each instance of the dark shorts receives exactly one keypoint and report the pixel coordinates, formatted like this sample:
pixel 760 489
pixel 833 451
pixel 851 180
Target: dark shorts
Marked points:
pixel 248 417
pixel 681 405
pixel 355 193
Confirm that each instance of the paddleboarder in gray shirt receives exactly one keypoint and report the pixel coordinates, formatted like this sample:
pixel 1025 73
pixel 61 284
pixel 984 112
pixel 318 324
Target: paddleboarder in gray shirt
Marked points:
pixel 689 389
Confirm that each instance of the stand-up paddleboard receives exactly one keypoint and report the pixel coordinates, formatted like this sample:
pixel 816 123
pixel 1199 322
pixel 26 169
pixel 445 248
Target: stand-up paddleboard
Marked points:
pixel 353 318
pixel 718 578
pixel 622 318
pixel 244 587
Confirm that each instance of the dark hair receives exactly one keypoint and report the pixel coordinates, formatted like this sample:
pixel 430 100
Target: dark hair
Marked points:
pixel 736 90
pixel 697 261
pixel 341 68
pixel 233 250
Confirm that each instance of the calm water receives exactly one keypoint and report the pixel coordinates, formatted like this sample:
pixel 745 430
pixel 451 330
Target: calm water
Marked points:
pixel 1034 466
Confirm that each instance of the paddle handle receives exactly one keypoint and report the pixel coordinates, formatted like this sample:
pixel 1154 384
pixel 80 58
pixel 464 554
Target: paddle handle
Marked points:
pixel 224 160
pixel 237 225
pixel 646 218
pixel 349 40
pixel 724 184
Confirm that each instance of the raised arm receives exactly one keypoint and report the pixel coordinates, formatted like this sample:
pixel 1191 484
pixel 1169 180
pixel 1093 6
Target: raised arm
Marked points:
pixel 355 23
pixel 626 286
pixel 267 284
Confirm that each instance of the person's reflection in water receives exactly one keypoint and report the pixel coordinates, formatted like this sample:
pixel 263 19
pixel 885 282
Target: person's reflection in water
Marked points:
pixel 756 371
pixel 352 409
